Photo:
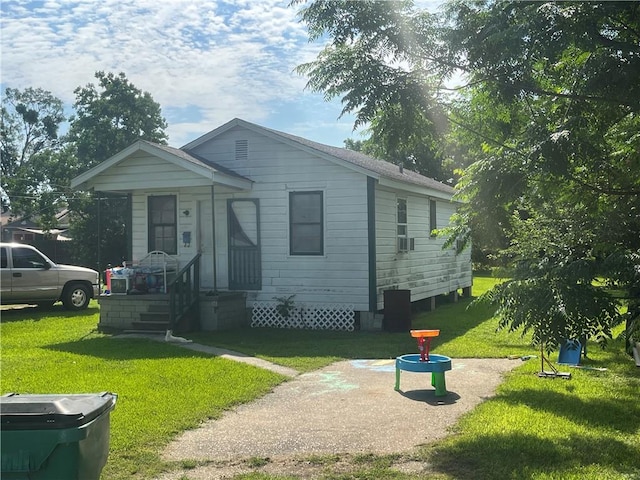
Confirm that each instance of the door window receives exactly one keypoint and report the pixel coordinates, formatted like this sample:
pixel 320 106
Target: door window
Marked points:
pixel 27 258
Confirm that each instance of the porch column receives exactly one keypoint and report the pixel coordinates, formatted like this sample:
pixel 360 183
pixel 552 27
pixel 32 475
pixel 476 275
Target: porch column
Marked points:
pixel 213 240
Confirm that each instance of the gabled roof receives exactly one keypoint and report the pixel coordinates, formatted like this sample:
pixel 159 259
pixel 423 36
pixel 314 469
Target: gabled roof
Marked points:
pixel 379 169
pixel 196 159
pixel 31 225
pixel 385 173
pixel 192 162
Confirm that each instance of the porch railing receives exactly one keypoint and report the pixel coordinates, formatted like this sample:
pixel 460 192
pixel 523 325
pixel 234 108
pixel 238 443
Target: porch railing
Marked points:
pixel 244 268
pixel 184 291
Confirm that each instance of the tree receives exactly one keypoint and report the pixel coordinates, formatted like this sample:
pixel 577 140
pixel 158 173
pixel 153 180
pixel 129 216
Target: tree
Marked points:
pixel 546 127
pixel 380 60
pixel 405 136
pixel 107 119
pixel 408 139
pixel 112 118
pixel 28 137
pixel 564 173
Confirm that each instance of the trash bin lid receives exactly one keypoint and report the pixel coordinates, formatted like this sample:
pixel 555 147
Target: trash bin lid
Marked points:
pixel 38 412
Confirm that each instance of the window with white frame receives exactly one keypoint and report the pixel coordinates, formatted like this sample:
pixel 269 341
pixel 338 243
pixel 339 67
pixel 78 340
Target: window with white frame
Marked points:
pixel 433 223
pixel 403 239
pixel 306 231
pixel 163 226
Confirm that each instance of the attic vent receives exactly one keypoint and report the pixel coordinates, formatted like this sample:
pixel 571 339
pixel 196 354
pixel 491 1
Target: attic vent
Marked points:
pixel 242 150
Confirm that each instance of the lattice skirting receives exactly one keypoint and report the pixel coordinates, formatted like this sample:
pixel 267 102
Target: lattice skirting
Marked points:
pixel 317 317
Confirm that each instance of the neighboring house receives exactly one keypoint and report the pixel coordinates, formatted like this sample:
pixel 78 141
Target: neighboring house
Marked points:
pixel 27 230
pixel 52 243
pixel 331 226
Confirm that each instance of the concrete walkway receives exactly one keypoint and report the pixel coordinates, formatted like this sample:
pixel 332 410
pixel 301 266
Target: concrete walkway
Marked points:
pixel 217 352
pixel 349 407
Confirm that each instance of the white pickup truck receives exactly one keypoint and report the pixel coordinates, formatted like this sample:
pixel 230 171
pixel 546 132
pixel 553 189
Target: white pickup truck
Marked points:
pixel 28 276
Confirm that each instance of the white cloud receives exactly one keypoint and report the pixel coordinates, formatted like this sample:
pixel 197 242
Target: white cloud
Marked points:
pixel 229 59
pixel 215 60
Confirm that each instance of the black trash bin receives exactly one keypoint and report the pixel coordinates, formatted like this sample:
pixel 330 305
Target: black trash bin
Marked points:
pixel 55 436
pixel 397 310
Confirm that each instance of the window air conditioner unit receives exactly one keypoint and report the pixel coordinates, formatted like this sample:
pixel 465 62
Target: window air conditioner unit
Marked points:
pixel 406 244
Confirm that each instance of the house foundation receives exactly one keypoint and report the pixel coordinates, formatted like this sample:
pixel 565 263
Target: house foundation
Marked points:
pixel 371 321
pixel 223 311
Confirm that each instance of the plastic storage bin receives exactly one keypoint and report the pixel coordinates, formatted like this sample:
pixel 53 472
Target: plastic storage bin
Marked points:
pixel 55 436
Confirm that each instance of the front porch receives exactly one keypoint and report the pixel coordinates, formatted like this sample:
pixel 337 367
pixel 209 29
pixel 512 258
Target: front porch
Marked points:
pixel 150 312
pixel 143 307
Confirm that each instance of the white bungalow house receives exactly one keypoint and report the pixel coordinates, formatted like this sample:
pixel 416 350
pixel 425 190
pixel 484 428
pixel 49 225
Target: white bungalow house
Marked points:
pixel 276 216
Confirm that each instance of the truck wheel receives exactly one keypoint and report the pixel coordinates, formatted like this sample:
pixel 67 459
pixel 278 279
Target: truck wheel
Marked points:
pixel 76 297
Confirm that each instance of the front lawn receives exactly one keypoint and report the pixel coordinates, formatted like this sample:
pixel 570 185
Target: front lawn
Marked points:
pixel 584 428
pixel 162 389
pixel 536 428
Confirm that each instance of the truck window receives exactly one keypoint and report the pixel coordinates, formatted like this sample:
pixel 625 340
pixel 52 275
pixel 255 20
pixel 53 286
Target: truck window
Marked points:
pixel 3 258
pixel 27 258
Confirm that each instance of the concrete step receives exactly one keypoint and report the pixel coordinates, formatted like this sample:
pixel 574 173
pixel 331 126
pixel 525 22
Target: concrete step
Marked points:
pixel 150 326
pixel 154 316
pixel 145 333
pixel 152 321
pixel 160 307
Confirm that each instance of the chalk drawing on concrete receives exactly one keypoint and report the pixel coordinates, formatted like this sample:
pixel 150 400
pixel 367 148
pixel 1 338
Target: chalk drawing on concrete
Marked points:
pixel 331 382
pixel 384 365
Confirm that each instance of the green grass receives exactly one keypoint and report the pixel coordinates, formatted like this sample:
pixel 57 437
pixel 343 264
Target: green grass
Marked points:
pixel 162 389
pixel 465 331
pixel 535 428
pixel 584 428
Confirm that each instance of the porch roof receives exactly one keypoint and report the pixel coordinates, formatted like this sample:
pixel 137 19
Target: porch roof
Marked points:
pixel 217 174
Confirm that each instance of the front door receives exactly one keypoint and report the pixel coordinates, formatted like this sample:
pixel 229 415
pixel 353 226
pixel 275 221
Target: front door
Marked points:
pixel 245 269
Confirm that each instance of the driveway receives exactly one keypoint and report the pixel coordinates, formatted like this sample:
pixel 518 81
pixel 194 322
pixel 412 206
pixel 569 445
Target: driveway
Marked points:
pixel 349 407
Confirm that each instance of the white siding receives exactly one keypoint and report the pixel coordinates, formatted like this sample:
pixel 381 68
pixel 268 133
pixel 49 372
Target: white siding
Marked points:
pixel 338 276
pixel 195 200
pixel 146 171
pixel 426 271
pixel 341 274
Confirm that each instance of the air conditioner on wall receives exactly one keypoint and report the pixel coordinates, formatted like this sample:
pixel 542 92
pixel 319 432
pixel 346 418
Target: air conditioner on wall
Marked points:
pixel 406 244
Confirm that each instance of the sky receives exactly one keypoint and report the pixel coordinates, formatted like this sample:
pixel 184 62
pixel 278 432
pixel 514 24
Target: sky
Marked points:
pixel 204 61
